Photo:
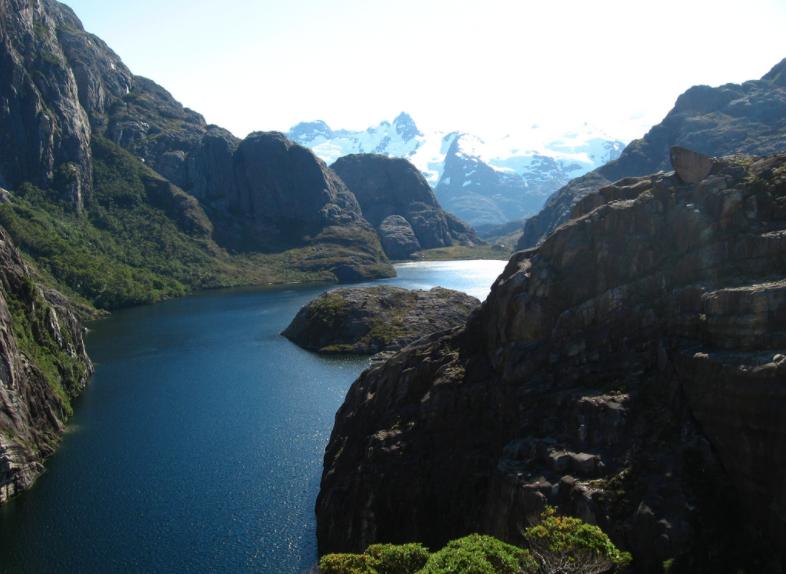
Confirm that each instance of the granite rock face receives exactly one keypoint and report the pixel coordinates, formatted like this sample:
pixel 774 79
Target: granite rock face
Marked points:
pixel 63 86
pixel 386 186
pixel 32 414
pixel 376 320
pixel 44 132
pixel 748 118
pixel 629 371
pixel 397 238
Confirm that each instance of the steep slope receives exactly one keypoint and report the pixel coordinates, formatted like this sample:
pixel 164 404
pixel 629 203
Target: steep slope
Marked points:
pixel 749 118
pixel 628 371
pixel 480 182
pixel 44 365
pixel 223 212
pixel 389 189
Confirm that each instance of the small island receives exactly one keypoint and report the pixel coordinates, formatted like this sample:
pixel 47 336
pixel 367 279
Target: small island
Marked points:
pixel 376 320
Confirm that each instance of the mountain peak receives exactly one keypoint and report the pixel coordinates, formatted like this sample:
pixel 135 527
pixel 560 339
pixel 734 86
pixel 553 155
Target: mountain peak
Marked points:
pixel 307 133
pixel 406 127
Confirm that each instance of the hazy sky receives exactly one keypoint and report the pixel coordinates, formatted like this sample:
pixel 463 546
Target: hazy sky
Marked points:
pixel 486 67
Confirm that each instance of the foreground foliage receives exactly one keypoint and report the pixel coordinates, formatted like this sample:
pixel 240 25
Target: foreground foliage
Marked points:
pixel 557 545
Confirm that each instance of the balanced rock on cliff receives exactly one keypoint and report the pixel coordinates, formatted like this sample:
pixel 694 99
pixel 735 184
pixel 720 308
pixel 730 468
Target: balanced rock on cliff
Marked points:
pixel 628 371
pixel 368 320
pixel 745 118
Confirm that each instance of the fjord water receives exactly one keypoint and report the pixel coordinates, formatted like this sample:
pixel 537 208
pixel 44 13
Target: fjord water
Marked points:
pixel 197 446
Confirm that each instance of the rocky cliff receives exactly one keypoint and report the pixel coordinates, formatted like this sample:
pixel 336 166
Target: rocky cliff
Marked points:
pixel 44 365
pixel 391 189
pixel 748 118
pixel 64 87
pixel 374 320
pixel 630 371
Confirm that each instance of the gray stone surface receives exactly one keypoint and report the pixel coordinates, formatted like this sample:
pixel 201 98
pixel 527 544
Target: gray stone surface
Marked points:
pixel 370 320
pixel 397 238
pixel 691 166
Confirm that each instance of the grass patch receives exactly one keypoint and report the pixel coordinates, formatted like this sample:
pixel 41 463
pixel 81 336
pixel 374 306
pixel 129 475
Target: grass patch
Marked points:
pixel 460 252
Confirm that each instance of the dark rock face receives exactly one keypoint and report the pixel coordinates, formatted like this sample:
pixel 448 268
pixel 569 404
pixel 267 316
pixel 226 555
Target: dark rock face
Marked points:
pixel 43 129
pixel 628 371
pixel 64 86
pixel 691 167
pixel 369 320
pixel 32 415
pixel 397 238
pixel 749 118
pixel 386 186
pixel 558 209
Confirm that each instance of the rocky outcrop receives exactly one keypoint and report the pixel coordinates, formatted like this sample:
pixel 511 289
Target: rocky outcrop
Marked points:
pixel 558 209
pixel 386 186
pixel 44 364
pixel 381 320
pixel 397 238
pixel 44 132
pixel 748 118
pixel 64 87
pixel 628 371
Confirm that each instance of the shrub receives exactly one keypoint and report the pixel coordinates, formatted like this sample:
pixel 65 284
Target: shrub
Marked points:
pixel 398 559
pixel 346 564
pixel 565 545
pixel 476 554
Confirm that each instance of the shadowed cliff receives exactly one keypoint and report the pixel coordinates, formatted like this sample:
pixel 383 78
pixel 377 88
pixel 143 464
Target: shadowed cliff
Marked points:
pixel 628 371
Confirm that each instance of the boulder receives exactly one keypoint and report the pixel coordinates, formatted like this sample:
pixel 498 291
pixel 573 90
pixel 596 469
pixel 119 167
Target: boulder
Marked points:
pixel 397 238
pixel 691 166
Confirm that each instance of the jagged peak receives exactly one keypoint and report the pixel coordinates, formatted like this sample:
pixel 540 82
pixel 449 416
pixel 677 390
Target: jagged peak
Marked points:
pixel 406 127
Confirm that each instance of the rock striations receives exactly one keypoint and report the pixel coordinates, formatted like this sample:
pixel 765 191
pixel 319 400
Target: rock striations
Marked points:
pixel 384 319
pixel 748 118
pixel 630 371
pixel 390 190
pixel 44 364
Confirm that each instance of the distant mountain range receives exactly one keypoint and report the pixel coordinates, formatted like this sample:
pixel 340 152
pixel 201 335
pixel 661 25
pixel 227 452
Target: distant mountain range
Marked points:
pixel 480 182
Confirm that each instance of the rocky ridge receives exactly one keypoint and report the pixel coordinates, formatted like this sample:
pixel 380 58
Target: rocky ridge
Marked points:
pixel 748 118
pixel 376 320
pixel 391 189
pixel 65 86
pixel 628 371
pixel 44 364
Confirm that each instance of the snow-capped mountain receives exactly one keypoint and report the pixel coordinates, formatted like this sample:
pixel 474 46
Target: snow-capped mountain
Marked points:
pixel 480 182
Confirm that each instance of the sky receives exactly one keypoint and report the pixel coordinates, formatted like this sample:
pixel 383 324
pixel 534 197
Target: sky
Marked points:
pixel 488 68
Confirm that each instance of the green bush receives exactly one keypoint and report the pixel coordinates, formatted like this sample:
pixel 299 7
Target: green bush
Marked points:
pixel 562 544
pixel 398 559
pixel 346 564
pixel 476 554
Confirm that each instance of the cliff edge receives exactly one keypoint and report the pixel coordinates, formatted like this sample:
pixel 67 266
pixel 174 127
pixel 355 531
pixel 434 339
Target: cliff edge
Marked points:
pixel 44 364
pixel 629 371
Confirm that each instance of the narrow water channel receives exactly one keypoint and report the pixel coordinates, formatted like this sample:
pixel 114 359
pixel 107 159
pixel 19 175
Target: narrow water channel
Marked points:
pixel 198 444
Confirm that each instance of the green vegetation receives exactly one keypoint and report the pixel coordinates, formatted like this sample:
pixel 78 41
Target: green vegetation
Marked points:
pixel 31 321
pixel 558 545
pixel 459 252
pixel 562 544
pixel 142 240
pixel 382 332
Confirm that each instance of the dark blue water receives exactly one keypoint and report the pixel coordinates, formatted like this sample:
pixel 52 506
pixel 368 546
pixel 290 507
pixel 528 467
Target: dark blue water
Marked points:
pixel 197 447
